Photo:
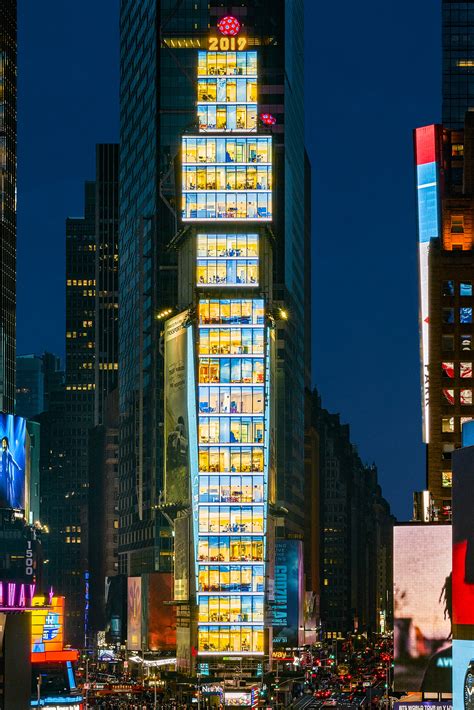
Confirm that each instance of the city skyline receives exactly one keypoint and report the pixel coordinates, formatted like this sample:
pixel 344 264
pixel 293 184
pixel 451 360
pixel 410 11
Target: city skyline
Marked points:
pixel 380 329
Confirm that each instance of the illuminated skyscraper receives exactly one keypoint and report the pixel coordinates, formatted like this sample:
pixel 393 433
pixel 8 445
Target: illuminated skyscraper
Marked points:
pixel 8 129
pixel 220 361
pixel 154 115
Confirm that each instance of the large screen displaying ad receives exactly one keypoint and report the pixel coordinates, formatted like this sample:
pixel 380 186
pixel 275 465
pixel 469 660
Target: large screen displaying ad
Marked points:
pixel 134 614
pixel 177 485
pixel 463 543
pixel 161 617
pixel 463 576
pixel 288 604
pixel 47 628
pixel 422 608
pixel 463 675
pixel 12 461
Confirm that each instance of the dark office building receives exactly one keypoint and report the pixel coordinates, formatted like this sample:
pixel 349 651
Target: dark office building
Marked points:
pixel 36 377
pixel 106 276
pixel 458 61
pixel 91 373
pixel 64 460
pixel 158 104
pixel 354 536
pixel 8 130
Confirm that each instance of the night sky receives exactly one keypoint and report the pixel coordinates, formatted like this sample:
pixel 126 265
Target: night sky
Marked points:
pixel 373 74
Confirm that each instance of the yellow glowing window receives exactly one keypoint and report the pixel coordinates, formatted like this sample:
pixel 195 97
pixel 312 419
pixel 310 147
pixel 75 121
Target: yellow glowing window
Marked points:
pixel 457 224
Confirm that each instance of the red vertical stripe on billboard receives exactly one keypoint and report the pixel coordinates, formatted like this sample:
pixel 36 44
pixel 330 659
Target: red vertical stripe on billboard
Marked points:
pixel 427 144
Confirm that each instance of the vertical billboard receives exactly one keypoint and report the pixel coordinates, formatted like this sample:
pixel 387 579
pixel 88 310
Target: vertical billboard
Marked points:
pixel 422 608
pixel 177 485
pixel 134 613
pixel 47 629
pixel 160 616
pixel 463 574
pixel 12 462
pixel 427 158
pixel 287 609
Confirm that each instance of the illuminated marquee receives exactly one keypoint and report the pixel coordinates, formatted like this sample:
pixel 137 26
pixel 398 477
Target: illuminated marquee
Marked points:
pixel 21 597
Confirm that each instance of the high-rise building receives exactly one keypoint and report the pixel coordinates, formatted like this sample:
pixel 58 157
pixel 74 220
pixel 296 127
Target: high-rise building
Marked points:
pixel 29 389
pixel 458 61
pixel 154 115
pixel 8 133
pixel 91 335
pixel 354 539
pixel 106 276
pixel 219 414
pixel 36 377
pixel 444 160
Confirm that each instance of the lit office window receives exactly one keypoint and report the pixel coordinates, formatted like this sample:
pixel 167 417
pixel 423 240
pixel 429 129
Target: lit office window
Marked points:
pixel 221 64
pixel 448 369
pixel 449 395
pixel 446 479
pixel 448 424
pixel 465 288
pixel 466 396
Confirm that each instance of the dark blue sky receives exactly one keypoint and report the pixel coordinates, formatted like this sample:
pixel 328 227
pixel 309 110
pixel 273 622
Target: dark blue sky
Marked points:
pixel 373 74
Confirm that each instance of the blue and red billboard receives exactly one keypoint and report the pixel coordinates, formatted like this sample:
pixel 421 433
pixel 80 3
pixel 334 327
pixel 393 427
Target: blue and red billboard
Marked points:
pixel 12 461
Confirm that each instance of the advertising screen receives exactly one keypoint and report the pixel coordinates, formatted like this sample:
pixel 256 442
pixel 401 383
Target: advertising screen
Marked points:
pixel 177 485
pixel 161 616
pixel 463 675
pixel 463 574
pixel 12 461
pixel 422 608
pixel 47 628
pixel 134 614
pixel 287 610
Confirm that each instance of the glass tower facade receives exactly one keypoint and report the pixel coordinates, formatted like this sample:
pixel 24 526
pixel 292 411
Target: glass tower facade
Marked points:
pixel 8 130
pixel 458 61
pixel 226 190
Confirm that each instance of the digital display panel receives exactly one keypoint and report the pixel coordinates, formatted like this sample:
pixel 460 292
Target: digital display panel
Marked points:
pixel 47 628
pixel 287 609
pixel 177 483
pixel 427 141
pixel 463 675
pixel 422 608
pixel 12 462
pixel 463 572
pixel 134 613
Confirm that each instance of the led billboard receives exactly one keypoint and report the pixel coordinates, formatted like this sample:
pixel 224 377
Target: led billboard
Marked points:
pixel 427 157
pixel 177 485
pixel 160 616
pixel 12 462
pixel 47 629
pixel 463 574
pixel 134 614
pixel 287 609
pixel 422 608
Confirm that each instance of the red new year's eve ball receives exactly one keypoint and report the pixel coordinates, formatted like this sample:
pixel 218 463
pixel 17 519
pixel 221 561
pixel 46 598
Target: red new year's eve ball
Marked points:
pixel 229 26
pixel 268 119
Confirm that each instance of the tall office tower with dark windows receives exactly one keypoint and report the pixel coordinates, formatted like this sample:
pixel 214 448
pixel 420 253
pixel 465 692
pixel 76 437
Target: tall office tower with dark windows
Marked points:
pixel 64 441
pixel 158 99
pixel 106 276
pixel 91 376
pixel 445 165
pixel 8 132
pixel 458 61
